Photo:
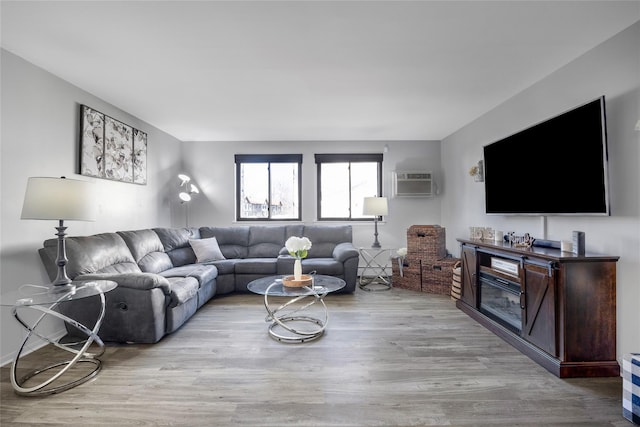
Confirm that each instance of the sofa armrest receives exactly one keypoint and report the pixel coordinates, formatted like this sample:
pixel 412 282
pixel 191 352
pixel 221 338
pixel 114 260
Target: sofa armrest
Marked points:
pixel 138 281
pixel 344 251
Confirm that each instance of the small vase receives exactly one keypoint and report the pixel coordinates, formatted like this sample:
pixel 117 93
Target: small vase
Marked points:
pixel 297 269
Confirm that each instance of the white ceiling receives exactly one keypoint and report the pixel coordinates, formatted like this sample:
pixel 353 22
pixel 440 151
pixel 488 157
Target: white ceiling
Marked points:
pixel 307 70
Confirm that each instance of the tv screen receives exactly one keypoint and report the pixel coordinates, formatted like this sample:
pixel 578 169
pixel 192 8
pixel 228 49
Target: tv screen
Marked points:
pixel 556 167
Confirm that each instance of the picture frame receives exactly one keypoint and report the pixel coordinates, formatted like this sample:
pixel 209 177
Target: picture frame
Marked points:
pixel 139 157
pixel 91 142
pixel 111 149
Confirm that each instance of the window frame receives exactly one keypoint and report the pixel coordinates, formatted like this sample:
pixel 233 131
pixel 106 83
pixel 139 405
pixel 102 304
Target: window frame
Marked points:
pixel 269 159
pixel 345 158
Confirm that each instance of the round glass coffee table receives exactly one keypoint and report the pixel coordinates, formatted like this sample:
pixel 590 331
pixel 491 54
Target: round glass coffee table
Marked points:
pixel 43 301
pixel 292 321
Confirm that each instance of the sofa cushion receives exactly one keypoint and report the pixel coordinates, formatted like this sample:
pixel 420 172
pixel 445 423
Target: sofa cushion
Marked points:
pixel 225 266
pixel 324 239
pixel 147 250
pixel 328 266
pixel 266 241
pixel 203 273
pixel 206 249
pixel 176 244
pixel 233 241
pixel 266 266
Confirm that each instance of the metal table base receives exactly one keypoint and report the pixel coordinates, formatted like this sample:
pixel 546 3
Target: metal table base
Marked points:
pixel 55 383
pixel 285 318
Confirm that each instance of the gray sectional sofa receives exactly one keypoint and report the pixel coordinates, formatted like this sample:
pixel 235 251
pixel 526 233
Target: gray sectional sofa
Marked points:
pixel 162 282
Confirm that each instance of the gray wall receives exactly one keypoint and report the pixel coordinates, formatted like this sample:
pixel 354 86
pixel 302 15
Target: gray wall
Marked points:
pixel 40 122
pixel 611 69
pixel 211 164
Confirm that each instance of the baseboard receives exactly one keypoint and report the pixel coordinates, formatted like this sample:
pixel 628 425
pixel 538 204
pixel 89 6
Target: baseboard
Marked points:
pixel 8 358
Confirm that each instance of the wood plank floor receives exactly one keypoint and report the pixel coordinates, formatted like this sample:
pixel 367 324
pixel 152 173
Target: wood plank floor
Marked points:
pixel 392 358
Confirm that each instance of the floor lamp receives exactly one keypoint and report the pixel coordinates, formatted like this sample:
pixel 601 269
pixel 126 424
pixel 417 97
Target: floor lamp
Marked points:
pixel 186 192
pixel 59 199
pixel 376 206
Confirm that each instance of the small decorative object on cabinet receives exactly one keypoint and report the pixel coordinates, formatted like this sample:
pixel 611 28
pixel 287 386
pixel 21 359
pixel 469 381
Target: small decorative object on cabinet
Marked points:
pixel 557 308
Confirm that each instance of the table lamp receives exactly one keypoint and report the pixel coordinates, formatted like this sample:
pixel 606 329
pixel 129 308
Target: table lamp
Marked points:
pixel 59 199
pixel 376 206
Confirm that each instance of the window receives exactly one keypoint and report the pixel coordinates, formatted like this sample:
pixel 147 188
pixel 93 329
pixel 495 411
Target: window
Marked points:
pixel 268 187
pixel 344 180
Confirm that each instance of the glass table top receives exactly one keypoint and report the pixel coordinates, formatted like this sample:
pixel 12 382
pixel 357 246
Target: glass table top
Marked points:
pixel 321 284
pixel 42 294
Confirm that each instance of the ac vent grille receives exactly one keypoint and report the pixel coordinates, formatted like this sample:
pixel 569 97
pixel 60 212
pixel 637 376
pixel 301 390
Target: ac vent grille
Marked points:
pixel 412 184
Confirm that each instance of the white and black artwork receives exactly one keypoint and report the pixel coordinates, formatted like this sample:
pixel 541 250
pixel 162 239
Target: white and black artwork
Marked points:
pixel 110 149
pixel 92 143
pixel 139 157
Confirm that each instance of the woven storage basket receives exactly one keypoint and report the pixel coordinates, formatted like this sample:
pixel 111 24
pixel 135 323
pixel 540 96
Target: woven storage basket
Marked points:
pixel 438 276
pixel 426 242
pixel 411 275
pixel 456 283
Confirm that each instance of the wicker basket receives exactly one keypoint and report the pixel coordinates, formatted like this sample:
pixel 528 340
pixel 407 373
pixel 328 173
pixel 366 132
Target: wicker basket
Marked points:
pixel 291 282
pixel 426 242
pixel 438 276
pixel 411 277
pixel 456 283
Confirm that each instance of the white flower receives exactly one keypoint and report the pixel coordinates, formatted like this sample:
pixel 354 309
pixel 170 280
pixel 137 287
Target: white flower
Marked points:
pixel 298 246
pixel 402 252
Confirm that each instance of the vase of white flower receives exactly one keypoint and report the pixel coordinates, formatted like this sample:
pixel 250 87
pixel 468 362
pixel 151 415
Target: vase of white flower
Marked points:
pixel 297 269
pixel 298 247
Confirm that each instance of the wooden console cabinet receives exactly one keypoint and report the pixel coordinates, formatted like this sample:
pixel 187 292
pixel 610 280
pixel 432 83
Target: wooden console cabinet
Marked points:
pixel 560 307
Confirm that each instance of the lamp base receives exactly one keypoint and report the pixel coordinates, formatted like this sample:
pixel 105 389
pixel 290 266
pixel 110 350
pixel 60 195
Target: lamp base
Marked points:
pixel 376 244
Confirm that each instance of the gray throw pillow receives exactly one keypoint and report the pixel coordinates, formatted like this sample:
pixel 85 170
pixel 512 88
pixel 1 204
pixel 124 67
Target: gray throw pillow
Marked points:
pixel 206 249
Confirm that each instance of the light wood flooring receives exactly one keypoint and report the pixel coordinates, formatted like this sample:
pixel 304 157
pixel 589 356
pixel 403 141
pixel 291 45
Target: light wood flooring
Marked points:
pixel 390 358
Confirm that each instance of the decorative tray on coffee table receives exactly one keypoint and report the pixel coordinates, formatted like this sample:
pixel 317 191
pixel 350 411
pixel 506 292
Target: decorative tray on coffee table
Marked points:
pixel 290 282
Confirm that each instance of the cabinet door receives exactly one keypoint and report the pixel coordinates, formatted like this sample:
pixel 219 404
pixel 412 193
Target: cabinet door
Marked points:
pixel 539 309
pixel 469 276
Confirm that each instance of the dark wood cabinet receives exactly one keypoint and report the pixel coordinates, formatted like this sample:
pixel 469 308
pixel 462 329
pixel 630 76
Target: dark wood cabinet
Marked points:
pixel 556 307
pixel 469 268
pixel 539 313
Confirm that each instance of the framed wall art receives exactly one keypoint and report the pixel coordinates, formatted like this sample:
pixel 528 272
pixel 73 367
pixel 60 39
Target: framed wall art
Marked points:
pixel 139 157
pixel 110 149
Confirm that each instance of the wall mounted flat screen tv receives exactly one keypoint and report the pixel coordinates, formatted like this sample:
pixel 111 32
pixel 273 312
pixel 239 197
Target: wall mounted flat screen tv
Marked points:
pixel 556 167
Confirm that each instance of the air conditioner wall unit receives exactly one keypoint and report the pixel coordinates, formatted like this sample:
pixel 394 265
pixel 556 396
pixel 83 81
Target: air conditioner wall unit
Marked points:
pixel 412 184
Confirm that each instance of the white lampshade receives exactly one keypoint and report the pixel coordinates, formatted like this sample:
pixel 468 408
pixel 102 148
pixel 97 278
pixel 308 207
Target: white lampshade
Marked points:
pixel 375 206
pixel 185 197
pixel 59 199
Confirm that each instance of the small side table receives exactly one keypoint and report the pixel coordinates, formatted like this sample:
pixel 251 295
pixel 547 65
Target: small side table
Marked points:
pixel 41 300
pixel 377 261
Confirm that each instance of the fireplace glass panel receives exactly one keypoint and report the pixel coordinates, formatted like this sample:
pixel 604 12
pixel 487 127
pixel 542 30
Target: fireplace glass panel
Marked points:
pixel 503 305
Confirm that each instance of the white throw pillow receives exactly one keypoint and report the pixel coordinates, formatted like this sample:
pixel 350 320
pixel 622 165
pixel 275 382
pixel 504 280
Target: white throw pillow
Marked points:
pixel 206 249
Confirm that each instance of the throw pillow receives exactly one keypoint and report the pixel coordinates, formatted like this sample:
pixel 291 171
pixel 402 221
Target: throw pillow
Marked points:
pixel 206 249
